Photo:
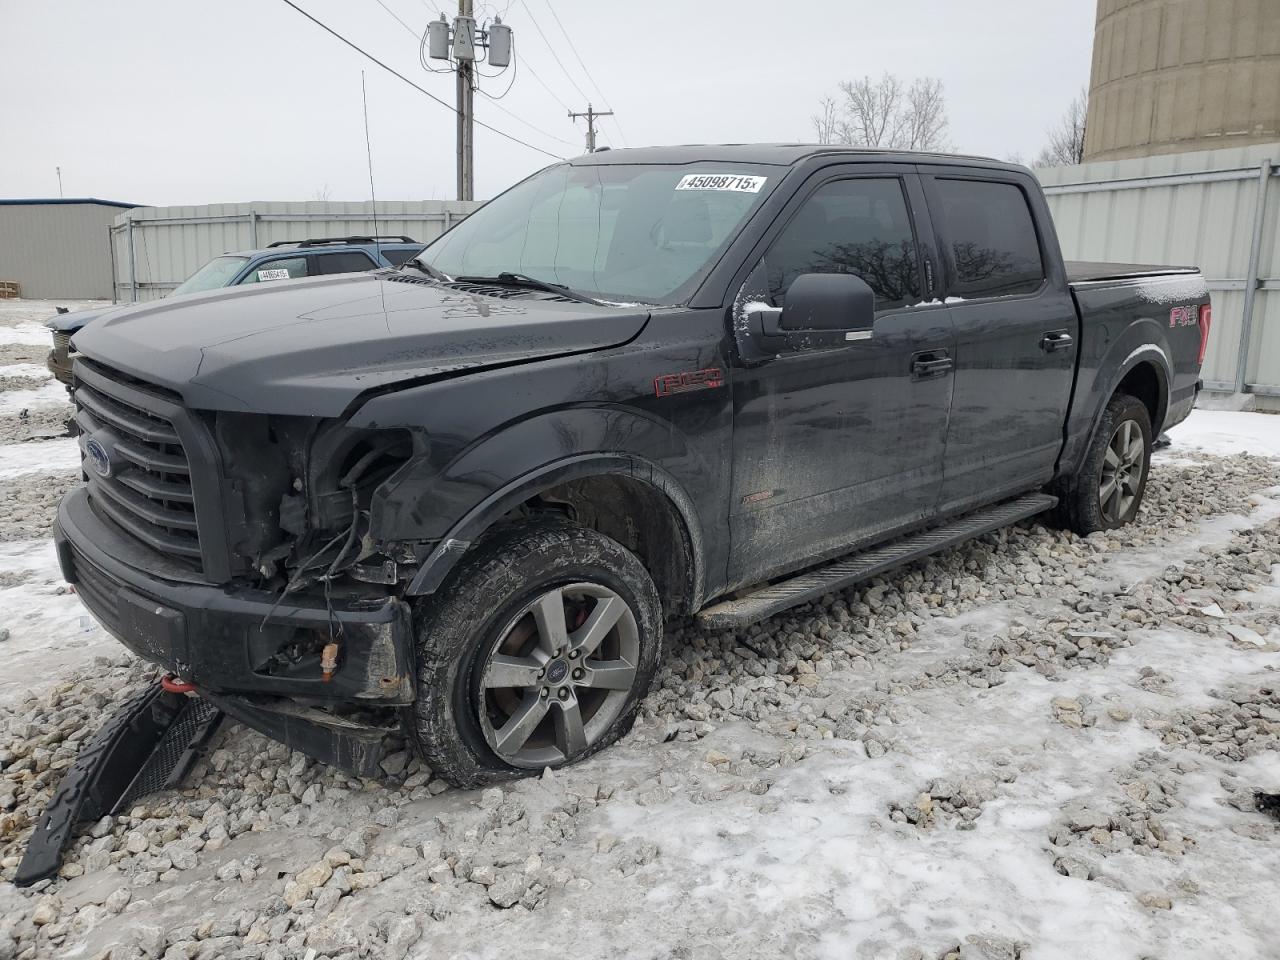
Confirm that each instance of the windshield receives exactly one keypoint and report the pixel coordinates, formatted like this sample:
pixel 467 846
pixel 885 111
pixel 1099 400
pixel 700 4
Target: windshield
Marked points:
pixel 617 233
pixel 218 272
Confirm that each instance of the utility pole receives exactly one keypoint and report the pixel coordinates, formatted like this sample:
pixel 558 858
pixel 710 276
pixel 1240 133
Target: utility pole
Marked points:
pixel 463 44
pixel 59 171
pixel 464 40
pixel 591 116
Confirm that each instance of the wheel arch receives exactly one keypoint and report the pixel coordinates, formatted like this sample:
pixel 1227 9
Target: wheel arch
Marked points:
pixel 624 496
pixel 1145 368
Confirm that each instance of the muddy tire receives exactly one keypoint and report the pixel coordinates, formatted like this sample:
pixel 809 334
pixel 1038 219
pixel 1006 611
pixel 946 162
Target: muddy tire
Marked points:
pixel 1106 492
pixel 534 653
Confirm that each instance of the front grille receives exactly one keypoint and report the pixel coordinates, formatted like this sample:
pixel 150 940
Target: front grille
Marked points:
pixel 61 344
pixel 147 489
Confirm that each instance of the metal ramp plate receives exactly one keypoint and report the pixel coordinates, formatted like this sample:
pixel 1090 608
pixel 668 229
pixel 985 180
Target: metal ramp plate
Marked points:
pixel 837 575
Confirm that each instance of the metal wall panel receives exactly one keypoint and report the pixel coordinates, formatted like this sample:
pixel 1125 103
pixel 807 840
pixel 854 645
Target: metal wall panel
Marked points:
pixel 1189 208
pixel 57 249
pixel 156 248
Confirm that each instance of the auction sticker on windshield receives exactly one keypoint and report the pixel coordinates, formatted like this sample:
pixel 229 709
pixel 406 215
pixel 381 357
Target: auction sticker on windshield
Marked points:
pixel 721 181
pixel 273 274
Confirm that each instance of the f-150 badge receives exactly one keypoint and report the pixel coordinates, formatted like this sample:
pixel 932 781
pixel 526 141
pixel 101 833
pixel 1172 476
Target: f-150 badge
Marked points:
pixel 669 383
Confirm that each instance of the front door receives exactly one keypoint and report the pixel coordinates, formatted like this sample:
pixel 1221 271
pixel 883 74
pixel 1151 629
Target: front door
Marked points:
pixel 1016 331
pixel 839 446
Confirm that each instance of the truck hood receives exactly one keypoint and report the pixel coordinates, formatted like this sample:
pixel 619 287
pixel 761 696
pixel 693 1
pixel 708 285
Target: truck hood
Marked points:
pixel 76 319
pixel 311 347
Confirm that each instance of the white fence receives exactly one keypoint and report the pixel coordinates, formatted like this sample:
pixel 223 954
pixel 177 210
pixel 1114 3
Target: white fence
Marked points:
pixel 1217 210
pixel 153 249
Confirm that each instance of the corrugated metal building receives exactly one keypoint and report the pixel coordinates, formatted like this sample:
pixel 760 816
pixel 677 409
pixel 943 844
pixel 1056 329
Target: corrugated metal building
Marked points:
pixel 1218 210
pixel 156 248
pixel 58 248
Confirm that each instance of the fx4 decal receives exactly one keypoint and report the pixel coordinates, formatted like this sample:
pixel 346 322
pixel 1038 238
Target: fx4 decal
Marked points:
pixel 669 383
pixel 1184 316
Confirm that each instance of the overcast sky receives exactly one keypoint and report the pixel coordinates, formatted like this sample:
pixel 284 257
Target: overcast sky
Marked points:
pixel 172 101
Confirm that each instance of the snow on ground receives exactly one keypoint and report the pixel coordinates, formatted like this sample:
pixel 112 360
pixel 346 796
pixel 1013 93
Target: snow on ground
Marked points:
pixel 50 632
pixel 51 394
pixel 1033 746
pixel 31 371
pixel 38 456
pixel 1224 433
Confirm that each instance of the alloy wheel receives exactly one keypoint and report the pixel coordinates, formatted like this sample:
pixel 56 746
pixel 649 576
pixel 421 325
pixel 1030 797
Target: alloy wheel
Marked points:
pixel 558 675
pixel 1122 468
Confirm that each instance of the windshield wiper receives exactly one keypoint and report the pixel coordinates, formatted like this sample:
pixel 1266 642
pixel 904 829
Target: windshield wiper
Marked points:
pixel 533 283
pixel 426 268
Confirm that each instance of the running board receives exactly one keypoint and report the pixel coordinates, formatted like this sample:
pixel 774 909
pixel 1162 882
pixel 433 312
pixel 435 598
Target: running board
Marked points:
pixel 837 575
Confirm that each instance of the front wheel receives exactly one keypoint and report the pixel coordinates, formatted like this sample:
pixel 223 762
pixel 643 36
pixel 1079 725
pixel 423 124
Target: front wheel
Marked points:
pixel 535 653
pixel 1107 490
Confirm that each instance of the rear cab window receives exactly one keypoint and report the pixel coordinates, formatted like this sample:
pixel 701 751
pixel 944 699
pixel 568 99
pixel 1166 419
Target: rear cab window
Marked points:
pixel 989 237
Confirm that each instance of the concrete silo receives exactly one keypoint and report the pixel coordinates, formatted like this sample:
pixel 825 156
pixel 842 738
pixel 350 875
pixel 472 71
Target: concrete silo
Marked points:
pixel 1171 76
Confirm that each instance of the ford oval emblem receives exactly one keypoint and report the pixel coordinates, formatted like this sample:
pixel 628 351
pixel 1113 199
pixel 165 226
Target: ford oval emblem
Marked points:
pixel 98 458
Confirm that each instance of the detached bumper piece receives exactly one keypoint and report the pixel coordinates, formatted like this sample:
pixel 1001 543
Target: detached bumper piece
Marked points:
pixel 356 747
pixel 149 744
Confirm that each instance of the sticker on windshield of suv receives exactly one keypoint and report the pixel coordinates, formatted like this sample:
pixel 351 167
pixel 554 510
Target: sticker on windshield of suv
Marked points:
pixel 721 181
pixel 273 274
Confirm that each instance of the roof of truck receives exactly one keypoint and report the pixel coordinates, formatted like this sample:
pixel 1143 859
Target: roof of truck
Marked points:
pixel 776 154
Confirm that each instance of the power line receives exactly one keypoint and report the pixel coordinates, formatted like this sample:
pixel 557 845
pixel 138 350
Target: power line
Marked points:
pixel 397 18
pixel 528 66
pixel 590 78
pixel 519 119
pixel 534 21
pixel 328 29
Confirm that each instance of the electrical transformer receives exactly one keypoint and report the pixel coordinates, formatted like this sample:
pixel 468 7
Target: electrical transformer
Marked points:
pixel 438 39
pixel 499 43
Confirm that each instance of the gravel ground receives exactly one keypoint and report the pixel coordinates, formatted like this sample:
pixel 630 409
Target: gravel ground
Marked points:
pixel 1030 746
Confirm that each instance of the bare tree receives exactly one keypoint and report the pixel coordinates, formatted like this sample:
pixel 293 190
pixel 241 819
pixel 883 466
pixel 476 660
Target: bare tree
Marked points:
pixel 324 193
pixel 827 122
pixel 885 113
pixel 1066 139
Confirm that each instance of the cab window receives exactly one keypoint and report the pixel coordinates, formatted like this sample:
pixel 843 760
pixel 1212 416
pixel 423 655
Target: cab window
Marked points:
pixel 288 269
pixel 858 226
pixel 990 237
pixel 350 261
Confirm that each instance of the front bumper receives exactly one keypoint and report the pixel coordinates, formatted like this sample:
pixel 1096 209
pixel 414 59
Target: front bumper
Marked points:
pixel 225 639
pixel 59 365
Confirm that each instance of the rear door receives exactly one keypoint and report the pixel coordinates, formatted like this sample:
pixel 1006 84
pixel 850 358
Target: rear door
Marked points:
pixel 838 446
pixel 1016 331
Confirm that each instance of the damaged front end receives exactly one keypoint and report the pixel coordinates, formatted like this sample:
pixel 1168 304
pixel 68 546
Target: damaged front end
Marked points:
pixel 234 550
pixel 302 493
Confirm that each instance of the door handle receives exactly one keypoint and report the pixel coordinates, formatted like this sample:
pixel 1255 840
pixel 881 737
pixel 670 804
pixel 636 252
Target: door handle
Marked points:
pixel 925 366
pixel 1055 341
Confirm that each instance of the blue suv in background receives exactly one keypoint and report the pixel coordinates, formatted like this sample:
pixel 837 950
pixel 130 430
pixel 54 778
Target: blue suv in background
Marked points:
pixel 283 260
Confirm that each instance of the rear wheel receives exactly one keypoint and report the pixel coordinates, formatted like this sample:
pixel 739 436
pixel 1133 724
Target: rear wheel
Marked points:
pixel 1107 490
pixel 536 653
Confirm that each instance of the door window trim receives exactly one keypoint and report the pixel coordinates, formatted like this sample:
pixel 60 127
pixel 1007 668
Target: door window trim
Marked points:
pixel 825 177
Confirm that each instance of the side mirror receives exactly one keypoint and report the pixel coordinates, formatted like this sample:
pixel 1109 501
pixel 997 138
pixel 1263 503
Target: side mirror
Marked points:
pixel 828 301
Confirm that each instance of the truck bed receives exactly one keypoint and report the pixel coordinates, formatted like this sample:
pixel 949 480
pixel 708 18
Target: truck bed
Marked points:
pixel 1088 271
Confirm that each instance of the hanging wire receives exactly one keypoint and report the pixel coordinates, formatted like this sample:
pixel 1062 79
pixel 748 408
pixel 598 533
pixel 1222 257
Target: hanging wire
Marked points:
pixel 583 65
pixel 569 76
pixel 425 93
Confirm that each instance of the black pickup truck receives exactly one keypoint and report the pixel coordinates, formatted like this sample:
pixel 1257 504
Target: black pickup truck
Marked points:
pixel 456 500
